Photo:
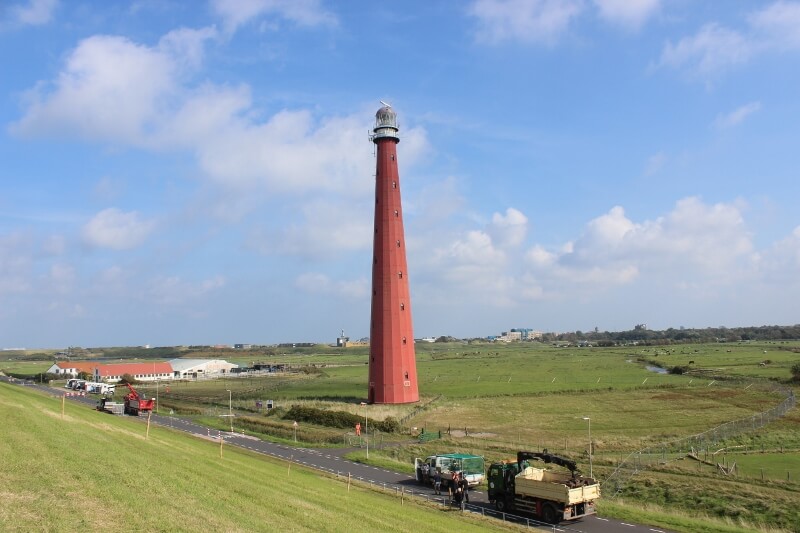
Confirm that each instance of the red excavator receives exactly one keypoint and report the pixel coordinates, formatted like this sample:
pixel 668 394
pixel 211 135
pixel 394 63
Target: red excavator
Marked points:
pixel 135 404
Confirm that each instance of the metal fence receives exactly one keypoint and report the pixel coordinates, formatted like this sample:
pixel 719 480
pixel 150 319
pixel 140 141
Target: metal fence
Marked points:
pixel 445 502
pixel 665 452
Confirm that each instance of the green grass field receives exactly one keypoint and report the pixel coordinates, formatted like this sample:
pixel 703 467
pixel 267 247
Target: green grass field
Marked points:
pixel 92 471
pixel 496 399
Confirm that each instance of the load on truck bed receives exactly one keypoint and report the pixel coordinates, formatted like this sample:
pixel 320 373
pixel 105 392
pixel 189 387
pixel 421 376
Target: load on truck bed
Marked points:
pixel 470 466
pixel 108 406
pixel 552 496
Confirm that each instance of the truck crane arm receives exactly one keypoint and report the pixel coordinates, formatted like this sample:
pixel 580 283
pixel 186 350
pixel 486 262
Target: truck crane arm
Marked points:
pixel 547 458
pixel 133 394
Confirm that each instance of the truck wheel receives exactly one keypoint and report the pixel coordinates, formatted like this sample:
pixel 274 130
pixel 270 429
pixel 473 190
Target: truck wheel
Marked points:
pixel 501 505
pixel 549 514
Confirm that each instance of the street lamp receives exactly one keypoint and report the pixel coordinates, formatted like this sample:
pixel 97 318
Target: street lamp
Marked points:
pixel 589 420
pixel 366 427
pixel 230 407
pixel 156 395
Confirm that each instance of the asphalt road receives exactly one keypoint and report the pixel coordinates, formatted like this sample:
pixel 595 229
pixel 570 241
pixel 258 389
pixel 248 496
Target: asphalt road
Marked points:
pixel 333 462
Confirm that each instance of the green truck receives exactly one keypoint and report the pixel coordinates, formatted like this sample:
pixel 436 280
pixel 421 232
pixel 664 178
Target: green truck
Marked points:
pixel 470 466
pixel 552 496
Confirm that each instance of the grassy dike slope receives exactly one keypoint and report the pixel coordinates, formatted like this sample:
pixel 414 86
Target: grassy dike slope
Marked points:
pixel 91 470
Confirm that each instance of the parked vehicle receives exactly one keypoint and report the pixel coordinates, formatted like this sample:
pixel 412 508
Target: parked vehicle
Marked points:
pixel 108 406
pixel 100 388
pixel 135 404
pixel 471 468
pixel 550 495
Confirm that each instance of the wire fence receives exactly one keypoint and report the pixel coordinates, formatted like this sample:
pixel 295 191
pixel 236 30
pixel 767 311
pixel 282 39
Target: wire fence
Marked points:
pixel 446 502
pixel 695 445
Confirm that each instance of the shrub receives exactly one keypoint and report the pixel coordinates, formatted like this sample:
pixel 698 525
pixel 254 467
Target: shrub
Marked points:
pixel 338 419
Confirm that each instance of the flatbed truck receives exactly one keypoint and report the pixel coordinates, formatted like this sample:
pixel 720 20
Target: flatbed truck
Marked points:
pixel 550 495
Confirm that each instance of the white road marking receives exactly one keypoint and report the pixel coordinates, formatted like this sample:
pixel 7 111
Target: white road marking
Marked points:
pixel 629 525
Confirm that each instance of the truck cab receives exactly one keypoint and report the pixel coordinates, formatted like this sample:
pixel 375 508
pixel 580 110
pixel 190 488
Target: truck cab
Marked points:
pixel 471 467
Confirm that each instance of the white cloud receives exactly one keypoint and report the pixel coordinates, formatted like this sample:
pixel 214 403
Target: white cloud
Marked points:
pixel 117 230
pixel 470 265
pixel 778 25
pixel 236 13
pixel 509 230
pixel 54 245
pixel 325 228
pixel 530 21
pixel 695 241
pixel 186 46
pixel 316 283
pixel 61 278
pixel 780 263
pixel 631 14
pixel 714 49
pixel 114 90
pixel 174 291
pixel 736 116
pixel 110 89
pixel 34 12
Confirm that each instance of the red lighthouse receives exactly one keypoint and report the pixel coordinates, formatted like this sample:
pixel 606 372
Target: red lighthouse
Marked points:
pixel 392 359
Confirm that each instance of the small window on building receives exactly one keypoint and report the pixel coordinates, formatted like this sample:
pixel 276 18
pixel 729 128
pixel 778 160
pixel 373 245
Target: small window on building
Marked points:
pixel 392 157
pixel 394 185
pixel 400 275
pixel 404 340
pixel 406 374
pixel 396 213
pixel 398 243
pixel 402 306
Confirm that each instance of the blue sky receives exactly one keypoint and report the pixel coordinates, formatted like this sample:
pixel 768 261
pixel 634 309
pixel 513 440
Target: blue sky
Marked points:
pixel 200 172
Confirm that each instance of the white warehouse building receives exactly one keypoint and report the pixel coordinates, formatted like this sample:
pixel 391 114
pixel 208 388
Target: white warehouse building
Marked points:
pixel 200 368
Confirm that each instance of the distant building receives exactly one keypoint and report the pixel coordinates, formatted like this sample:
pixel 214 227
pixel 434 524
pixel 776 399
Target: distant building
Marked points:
pixel 243 346
pixel 200 368
pixel 71 368
pixel 152 371
pixel 139 371
pixel 516 335
pixel 640 327
pixel 296 345
pixel 341 340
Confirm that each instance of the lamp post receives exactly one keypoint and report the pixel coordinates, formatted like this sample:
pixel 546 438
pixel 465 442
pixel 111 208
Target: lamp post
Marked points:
pixel 589 420
pixel 156 395
pixel 366 427
pixel 230 407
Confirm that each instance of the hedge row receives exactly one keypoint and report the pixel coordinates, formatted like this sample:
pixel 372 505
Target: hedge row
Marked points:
pixel 338 419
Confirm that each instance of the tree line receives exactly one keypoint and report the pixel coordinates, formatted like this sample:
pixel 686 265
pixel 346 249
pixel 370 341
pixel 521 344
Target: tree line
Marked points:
pixel 680 335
